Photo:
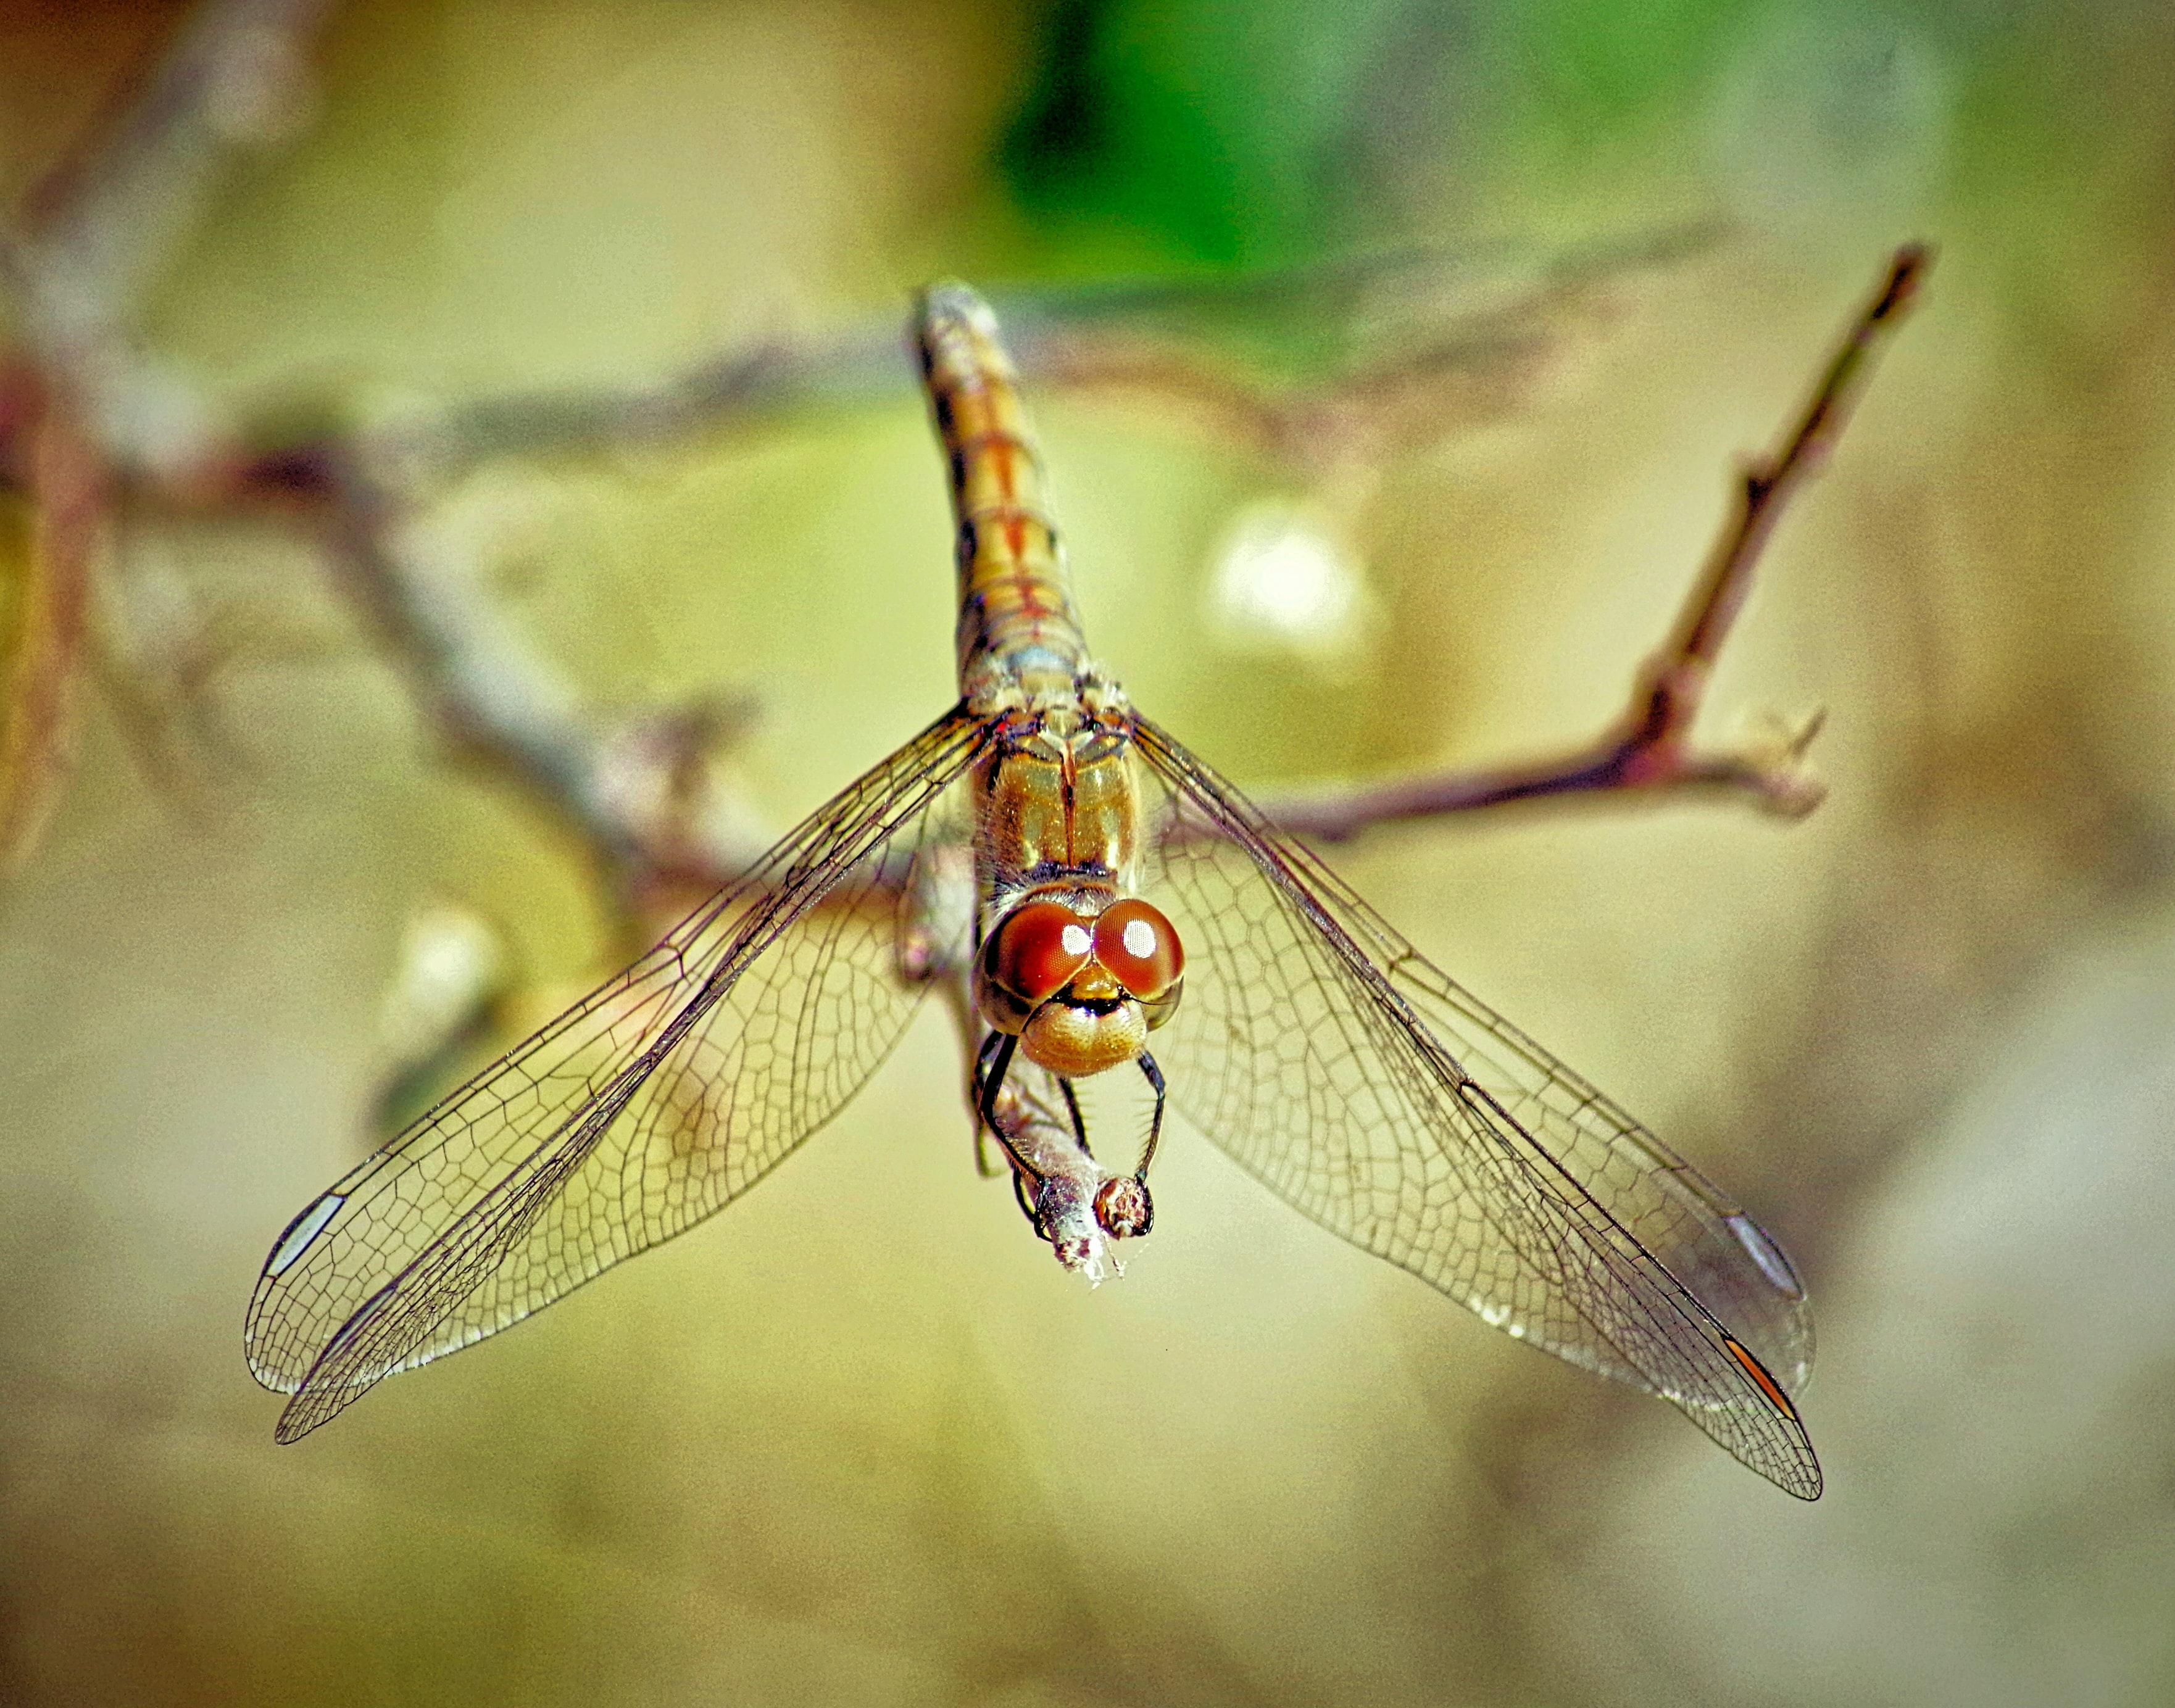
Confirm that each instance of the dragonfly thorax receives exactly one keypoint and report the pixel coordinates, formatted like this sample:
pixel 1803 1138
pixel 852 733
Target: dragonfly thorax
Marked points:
pixel 1080 976
pixel 1056 799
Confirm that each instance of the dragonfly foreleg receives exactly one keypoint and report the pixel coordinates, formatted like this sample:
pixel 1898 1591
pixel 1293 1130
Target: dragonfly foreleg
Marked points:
pixel 991 1064
pixel 1154 1075
pixel 1063 1192
pixel 983 1129
pixel 1079 1120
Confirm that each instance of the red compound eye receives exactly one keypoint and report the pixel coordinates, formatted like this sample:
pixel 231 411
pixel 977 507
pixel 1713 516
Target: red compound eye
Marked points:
pixel 1139 947
pixel 1038 949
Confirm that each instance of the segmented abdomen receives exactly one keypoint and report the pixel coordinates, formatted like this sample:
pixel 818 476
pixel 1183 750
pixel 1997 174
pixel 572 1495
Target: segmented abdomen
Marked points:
pixel 1013 600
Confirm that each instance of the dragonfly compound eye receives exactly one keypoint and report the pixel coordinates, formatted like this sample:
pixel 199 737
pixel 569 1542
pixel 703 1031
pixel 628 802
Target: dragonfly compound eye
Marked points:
pixel 1036 951
pixel 1141 949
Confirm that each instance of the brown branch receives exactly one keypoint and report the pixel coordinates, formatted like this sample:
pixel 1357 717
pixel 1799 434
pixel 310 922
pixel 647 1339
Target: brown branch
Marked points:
pixel 631 799
pixel 626 793
pixel 857 366
pixel 1367 413
pixel 84 402
pixel 59 542
pixel 1649 748
pixel 1444 374
pixel 231 81
pixel 1450 369
pixel 635 796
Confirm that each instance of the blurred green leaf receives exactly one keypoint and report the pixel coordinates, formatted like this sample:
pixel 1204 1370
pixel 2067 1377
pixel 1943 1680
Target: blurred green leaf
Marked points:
pixel 1214 128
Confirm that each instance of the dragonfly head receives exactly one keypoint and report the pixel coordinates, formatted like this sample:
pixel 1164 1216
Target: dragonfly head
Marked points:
pixel 1079 976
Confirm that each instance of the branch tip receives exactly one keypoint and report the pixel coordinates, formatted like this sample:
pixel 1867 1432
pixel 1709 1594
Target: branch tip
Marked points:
pixel 1648 748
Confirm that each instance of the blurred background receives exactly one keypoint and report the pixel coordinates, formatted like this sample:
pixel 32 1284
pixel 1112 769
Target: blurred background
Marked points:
pixel 861 1440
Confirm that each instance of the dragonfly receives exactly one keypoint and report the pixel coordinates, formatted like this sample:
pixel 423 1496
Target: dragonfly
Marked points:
pixel 1093 898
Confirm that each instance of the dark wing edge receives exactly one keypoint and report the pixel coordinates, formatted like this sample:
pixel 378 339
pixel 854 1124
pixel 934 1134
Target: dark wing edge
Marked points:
pixel 1552 1239
pixel 329 1317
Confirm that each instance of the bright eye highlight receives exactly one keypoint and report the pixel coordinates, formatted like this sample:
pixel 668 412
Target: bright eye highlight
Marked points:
pixel 1141 948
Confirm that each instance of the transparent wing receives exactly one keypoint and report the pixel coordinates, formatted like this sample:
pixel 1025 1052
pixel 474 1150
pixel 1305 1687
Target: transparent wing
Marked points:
pixel 1718 1254
pixel 655 1101
pixel 1354 1079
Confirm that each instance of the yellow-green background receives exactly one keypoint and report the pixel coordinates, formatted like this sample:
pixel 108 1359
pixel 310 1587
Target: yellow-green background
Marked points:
pixel 861 1441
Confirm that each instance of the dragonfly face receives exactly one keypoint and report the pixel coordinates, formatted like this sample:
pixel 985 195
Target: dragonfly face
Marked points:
pixel 1319 1050
pixel 1079 976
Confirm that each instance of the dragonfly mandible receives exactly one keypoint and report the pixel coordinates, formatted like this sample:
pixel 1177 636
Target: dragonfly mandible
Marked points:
pixel 1092 898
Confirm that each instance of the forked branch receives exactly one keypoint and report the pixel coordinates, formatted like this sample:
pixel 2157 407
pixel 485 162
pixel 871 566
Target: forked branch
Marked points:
pixel 1650 747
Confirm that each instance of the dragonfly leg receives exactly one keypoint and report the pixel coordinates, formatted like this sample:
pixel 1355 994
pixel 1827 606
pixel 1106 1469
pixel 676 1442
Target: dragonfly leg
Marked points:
pixel 992 1061
pixel 991 1065
pixel 1123 1206
pixel 1027 1203
pixel 1079 1120
pixel 1155 1121
pixel 984 1129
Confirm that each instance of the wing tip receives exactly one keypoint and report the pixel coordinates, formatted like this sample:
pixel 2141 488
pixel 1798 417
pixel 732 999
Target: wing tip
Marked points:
pixel 1802 1477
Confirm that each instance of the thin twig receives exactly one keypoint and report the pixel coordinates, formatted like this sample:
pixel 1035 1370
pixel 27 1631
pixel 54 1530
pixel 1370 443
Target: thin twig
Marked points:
pixel 734 388
pixel 1452 365
pixel 1444 373
pixel 230 81
pixel 1649 747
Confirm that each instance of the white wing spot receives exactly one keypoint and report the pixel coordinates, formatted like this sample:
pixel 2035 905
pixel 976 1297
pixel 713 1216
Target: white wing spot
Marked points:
pixel 303 1234
pixel 1773 1264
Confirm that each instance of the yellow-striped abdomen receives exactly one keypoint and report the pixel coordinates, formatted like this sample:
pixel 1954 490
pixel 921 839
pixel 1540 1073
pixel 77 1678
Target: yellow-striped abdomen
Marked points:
pixel 1013 600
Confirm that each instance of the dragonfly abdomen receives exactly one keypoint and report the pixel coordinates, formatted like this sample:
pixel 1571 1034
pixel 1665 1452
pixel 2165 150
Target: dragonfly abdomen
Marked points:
pixel 1014 605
